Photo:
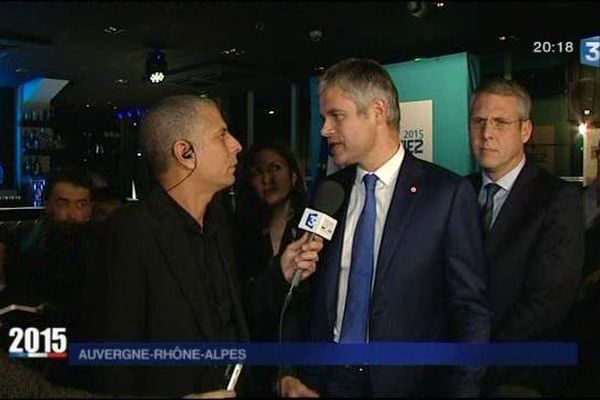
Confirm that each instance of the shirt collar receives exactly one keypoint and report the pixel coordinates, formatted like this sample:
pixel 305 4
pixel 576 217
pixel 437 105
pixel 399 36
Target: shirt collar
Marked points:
pixel 508 180
pixel 388 172
pixel 189 223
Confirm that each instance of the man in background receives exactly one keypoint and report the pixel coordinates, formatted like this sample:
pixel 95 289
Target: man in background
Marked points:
pixel 48 266
pixel 533 229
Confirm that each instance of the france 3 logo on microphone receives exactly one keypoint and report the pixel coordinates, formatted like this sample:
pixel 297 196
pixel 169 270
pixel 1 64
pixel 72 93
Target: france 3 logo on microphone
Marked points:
pixel 33 343
pixel 589 53
pixel 318 223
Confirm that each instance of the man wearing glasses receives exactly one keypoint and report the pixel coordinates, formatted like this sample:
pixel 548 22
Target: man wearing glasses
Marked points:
pixel 533 229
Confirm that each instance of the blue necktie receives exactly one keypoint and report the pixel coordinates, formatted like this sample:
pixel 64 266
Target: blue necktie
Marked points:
pixel 356 313
pixel 488 207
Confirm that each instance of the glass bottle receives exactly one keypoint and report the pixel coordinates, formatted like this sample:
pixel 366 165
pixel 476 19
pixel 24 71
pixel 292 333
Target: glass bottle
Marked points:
pixel 36 167
pixel 27 166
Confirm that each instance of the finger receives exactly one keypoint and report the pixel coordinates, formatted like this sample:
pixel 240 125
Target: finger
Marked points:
pixel 305 264
pixel 298 243
pixel 307 267
pixel 306 274
pixel 312 246
pixel 307 256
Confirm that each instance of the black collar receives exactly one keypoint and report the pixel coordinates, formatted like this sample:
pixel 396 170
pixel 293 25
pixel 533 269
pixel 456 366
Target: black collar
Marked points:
pixel 189 223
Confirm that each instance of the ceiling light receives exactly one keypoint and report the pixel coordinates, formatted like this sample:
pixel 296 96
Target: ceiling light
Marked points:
pixel 271 112
pixel 111 30
pixel 21 70
pixel 121 81
pixel 508 38
pixel 315 35
pixel 233 52
pixel 157 77
pixel 417 9
pixel 586 112
pixel 156 66
pixel 439 5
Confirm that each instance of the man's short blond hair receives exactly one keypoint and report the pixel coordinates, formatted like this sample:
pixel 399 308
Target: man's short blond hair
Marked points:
pixel 505 87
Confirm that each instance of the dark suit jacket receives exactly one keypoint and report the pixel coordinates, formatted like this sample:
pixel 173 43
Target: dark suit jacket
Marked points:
pixel 146 286
pixel 534 254
pixel 430 277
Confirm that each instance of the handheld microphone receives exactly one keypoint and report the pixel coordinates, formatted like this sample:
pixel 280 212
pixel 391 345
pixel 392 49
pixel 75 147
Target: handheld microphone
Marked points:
pixel 318 220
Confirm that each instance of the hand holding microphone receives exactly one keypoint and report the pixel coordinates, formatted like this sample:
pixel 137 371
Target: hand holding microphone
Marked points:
pixel 300 257
pixel 299 260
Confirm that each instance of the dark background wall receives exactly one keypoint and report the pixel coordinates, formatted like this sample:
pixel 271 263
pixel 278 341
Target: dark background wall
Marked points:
pixel 7 136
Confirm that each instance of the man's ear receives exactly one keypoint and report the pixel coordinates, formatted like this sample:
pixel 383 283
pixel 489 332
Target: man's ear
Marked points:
pixel 526 130
pixel 183 152
pixel 379 108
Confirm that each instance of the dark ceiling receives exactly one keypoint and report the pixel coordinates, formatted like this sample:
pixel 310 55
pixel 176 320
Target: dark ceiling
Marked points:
pixel 272 40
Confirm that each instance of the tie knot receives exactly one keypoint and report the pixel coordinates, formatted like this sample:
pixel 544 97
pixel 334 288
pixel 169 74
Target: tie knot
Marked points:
pixel 370 180
pixel 492 189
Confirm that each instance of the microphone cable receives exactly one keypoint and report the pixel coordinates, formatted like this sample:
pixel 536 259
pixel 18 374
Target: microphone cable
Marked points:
pixel 185 177
pixel 286 303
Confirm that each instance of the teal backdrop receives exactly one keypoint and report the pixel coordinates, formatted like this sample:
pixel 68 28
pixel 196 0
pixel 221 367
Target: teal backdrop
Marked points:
pixel 447 80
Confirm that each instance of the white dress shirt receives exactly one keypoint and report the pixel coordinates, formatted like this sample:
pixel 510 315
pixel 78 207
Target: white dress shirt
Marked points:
pixel 387 175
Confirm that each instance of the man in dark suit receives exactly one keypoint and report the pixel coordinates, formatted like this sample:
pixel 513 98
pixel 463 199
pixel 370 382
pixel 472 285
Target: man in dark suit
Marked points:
pixel 167 270
pixel 406 260
pixel 533 226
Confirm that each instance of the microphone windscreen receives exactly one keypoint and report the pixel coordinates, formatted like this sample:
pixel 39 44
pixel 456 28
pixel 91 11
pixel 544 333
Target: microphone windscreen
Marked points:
pixel 329 197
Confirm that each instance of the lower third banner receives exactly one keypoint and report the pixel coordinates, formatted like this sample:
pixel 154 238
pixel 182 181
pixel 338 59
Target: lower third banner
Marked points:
pixel 389 353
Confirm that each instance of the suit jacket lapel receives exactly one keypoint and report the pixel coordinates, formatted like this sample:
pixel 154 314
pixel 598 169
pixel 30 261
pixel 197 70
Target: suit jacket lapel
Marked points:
pixel 172 243
pixel 513 210
pixel 476 180
pixel 408 186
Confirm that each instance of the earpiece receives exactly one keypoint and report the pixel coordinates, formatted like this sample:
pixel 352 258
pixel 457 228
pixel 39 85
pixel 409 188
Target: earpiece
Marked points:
pixel 188 153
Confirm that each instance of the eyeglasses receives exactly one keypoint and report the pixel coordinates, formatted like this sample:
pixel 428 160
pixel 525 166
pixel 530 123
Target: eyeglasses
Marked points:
pixel 499 124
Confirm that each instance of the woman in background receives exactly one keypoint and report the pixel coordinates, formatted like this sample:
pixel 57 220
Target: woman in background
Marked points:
pixel 274 194
pixel 272 199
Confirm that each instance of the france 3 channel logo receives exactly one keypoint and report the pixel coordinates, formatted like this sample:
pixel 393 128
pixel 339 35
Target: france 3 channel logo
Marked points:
pixel 589 53
pixel 33 343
